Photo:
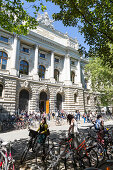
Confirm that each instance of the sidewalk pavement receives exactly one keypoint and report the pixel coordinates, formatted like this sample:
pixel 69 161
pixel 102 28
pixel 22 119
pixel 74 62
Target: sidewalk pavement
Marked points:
pixel 23 133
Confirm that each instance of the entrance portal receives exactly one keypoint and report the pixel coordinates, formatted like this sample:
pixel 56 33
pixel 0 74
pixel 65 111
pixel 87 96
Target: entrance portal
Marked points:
pixel 42 102
pixel 59 102
pixel 23 100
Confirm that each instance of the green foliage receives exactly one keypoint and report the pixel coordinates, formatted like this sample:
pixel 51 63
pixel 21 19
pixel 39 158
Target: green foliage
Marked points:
pixel 96 18
pixel 101 79
pixel 14 18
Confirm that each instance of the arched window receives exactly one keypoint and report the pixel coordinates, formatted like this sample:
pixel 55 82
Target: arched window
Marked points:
pixel 95 100
pixel 59 102
pixel 85 83
pixel 75 98
pixel 1 90
pixel 41 71
pixel 72 77
pixel 23 100
pixel 56 75
pixel 3 60
pixel 88 100
pixel 24 67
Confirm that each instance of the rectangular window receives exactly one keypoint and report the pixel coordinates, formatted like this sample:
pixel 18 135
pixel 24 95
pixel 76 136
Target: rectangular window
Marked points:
pixel 4 39
pixel 72 63
pixel 4 62
pixel 42 55
pixel 57 60
pixel 26 50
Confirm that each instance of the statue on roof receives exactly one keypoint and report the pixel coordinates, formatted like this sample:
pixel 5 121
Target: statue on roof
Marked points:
pixel 44 19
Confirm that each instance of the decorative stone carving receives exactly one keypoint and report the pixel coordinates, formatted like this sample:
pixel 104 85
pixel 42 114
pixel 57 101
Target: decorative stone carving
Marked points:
pixel 2 81
pixel 60 90
pixel 76 91
pixel 43 88
pixel 26 84
pixel 44 19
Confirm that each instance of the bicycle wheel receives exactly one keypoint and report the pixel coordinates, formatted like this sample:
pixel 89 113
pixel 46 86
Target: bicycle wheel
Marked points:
pixel 71 161
pixel 91 153
pixel 3 161
pixel 11 166
pixel 98 149
pixel 24 154
pixel 83 161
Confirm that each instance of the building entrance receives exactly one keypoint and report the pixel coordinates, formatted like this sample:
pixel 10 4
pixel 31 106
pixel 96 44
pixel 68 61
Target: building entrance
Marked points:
pixel 59 102
pixel 23 100
pixel 42 102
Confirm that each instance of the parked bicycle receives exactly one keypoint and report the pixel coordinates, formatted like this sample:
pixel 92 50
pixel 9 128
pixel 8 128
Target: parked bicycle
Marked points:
pixel 6 160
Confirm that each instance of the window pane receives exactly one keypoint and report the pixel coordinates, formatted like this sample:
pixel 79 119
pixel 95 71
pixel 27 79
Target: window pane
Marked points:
pixel 23 67
pixel 56 60
pixel 26 50
pixel 42 55
pixel 72 63
pixel 3 67
pixel 4 39
pixel 4 54
pixel 41 71
pixel 1 90
pixel 0 53
pixel 4 62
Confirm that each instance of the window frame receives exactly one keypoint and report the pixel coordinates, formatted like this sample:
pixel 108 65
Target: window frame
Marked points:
pixel 24 67
pixel 41 53
pixel 1 96
pixel 5 58
pixel 75 98
pixel 88 100
pixel 41 72
pixel 72 62
pixel 3 40
pixel 57 80
pixel 72 78
pixel 57 60
pixel 25 50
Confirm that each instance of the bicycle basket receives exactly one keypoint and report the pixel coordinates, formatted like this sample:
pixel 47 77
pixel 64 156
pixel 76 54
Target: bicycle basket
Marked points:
pixel 33 133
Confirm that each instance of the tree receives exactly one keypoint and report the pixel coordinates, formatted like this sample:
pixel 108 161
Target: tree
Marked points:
pixel 101 79
pixel 95 21
pixel 14 17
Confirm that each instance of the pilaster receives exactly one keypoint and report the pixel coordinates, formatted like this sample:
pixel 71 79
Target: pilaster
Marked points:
pixel 67 69
pixel 79 74
pixel 52 68
pixel 35 75
pixel 13 70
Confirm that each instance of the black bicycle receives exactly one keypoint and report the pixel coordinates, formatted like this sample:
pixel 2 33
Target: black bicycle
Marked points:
pixel 30 145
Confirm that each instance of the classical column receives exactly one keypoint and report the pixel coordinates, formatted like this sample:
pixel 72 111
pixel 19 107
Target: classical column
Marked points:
pixel 52 68
pixel 79 74
pixel 35 72
pixel 67 70
pixel 14 55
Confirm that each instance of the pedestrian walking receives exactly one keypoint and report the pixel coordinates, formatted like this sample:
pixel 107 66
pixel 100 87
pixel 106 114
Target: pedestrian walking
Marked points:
pixel 78 115
pixel 84 116
pixel 73 129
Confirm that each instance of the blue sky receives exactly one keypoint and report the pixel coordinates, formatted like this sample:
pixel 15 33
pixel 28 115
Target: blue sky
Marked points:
pixel 58 25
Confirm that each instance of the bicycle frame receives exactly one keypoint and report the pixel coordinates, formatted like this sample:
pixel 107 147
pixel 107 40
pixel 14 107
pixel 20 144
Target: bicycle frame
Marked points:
pixel 8 160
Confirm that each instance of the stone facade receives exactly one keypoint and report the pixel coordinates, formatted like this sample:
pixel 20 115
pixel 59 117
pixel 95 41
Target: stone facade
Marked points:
pixel 46 53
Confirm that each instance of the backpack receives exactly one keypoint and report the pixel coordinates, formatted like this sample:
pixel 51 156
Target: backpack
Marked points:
pixel 97 124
